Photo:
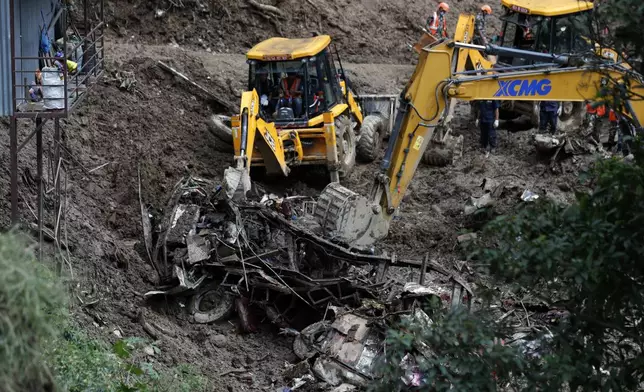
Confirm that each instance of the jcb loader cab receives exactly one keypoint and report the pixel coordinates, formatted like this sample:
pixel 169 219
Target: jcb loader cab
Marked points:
pixel 300 110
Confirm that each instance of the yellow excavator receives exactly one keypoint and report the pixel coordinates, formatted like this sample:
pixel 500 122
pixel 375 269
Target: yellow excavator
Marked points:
pixel 546 26
pixel 359 222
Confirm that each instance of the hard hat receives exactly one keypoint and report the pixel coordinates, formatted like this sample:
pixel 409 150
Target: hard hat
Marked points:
pixel 487 9
pixel 443 6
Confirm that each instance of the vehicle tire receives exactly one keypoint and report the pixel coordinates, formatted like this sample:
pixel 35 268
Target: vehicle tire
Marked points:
pixel 222 146
pixel 220 128
pixel 370 141
pixel 438 157
pixel 211 303
pixel 346 143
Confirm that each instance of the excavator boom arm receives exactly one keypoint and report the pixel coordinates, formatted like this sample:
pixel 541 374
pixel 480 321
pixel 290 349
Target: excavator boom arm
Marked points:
pixel 432 86
pixel 424 104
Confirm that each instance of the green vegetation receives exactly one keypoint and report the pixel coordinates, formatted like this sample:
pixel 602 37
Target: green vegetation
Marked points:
pixel 42 350
pixel 585 259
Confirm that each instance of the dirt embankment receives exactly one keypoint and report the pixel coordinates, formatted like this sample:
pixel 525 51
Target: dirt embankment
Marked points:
pixel 366 31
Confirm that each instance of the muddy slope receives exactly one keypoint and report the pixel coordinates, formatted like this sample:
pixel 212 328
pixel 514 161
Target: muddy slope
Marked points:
pixel 367 31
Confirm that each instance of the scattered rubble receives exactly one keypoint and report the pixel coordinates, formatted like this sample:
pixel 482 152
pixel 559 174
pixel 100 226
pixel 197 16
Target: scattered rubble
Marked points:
pixel 263 258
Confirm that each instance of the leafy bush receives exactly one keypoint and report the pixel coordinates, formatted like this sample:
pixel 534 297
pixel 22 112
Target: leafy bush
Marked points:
pixel 456 351
pixel 584 259
pixel 30 303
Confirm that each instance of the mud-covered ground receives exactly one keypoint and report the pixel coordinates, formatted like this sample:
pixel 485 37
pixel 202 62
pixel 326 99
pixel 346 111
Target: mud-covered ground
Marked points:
pixel 158 128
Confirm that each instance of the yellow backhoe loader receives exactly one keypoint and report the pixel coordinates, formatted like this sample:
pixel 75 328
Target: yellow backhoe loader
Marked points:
pixel 359 222
pixel 300 109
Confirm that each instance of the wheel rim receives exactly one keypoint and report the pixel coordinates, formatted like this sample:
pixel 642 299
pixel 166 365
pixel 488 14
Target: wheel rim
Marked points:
pixel 212 305
pixel 346 146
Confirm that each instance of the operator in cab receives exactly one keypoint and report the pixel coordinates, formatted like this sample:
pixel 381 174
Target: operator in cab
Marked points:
pixel 291 93
pixel 549 112
pixel 480 34
pixel 488 122
pixel 437 23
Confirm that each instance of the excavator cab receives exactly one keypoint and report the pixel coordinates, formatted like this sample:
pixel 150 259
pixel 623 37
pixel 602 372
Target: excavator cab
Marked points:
pixel 545 28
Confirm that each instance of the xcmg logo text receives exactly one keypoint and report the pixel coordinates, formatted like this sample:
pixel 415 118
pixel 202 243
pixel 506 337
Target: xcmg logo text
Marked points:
pixel 522 88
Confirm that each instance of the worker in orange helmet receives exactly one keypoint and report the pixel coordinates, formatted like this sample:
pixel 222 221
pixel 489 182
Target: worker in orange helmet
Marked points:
pixel 480 37
pixel 437 23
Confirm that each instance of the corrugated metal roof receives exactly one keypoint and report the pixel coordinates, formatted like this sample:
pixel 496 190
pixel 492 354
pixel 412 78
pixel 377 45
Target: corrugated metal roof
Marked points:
pixel 6 82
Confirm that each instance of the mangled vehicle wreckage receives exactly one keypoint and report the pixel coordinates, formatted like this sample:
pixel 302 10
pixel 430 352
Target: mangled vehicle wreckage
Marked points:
pixel 267 256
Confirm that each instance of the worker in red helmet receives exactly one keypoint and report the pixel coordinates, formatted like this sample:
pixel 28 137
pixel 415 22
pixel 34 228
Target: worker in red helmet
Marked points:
pixel 437 23
pixel 480 35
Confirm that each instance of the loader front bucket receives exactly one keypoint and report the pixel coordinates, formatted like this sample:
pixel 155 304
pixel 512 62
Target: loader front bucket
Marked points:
pixel 426 39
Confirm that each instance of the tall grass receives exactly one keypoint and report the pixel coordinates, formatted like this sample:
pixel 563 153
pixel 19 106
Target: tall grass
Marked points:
pixel 31 304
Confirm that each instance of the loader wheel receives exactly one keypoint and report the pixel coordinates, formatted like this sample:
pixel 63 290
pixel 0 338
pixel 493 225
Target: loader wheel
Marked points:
pixel 370 141
pixel 346 143
pixel 222 146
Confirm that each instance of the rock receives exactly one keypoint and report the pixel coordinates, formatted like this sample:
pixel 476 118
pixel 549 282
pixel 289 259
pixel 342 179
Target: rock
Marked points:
pixel 466 237
pixel 117 333
pixel 474 204
pixel 220 340
pixel 564 187
pixel 345 388
pixel 149 351
pixel 437 209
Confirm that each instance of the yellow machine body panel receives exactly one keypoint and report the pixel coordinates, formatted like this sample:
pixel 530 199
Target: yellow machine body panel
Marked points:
pixel 277 48
pixel 262 137
pixel 336 111
pixel 548 7
pixel 469 59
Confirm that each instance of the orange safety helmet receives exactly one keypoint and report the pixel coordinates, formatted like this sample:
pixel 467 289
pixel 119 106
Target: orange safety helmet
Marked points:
pixel 443 6
pixel 487 9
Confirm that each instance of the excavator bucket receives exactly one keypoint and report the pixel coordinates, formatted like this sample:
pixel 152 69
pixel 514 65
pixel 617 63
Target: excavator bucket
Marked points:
pixel 444 147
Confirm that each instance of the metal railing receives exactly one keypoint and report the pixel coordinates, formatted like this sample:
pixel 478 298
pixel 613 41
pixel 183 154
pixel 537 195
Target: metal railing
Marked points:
pixel 31 99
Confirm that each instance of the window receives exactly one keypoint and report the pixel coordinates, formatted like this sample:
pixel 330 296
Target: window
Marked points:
pixel 266 78
pixel 334 74
pixel 573 33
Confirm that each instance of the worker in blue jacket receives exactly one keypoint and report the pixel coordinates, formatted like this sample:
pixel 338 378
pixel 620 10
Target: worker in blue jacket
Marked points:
pixel 488 122
pixel 549 112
